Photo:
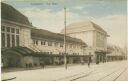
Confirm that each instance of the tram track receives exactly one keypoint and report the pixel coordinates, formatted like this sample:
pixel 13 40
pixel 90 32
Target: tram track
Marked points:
pixel 75 79
pixel 68 77
pixel 101 79
pixel 120 74
pixel 107 75
pixel 81 75
pixel 78 76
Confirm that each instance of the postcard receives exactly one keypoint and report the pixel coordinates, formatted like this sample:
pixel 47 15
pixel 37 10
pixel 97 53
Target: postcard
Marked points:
pixel 64 40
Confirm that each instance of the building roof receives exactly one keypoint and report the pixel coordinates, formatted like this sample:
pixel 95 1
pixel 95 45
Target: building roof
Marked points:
pixel 24 51
pixel 41 33
pixel 83 26
pixel 11 14
pixel 20 50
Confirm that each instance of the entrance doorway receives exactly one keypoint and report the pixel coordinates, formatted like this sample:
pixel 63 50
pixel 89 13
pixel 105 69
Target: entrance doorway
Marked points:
pixel 12 59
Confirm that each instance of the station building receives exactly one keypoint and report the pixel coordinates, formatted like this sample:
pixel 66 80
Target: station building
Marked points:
pixel 115 53
pixel 93 35
pixel 24 45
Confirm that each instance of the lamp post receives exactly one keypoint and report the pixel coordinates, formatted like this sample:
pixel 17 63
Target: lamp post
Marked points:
pixel 65 54
pixel 126 42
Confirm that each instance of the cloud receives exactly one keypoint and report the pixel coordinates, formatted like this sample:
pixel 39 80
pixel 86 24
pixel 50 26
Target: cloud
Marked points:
pixel 49 20
pixel 78 7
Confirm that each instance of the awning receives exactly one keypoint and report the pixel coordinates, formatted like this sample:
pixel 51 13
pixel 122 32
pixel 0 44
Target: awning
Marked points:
pixel 24 51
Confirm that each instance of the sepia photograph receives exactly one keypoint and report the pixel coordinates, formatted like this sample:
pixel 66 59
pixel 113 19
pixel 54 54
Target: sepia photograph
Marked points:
pixel 64 40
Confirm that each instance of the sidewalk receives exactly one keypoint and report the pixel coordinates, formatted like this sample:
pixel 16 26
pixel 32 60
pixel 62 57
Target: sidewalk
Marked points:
pixel 5 70
pixel 47 74
pixel 61 74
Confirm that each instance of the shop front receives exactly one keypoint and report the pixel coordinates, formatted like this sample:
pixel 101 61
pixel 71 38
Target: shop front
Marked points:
pixel 100 56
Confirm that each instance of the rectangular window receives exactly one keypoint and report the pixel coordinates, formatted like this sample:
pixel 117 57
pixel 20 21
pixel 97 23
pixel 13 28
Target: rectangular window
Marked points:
pixel 8 29
pixel 13 40
pixel 17 40
pixel 3 39
pixel 12 30
pixel 35 42
pixel 3 28
pixel 8 40
pixel 17 31
pixel 49 43
pixel 43 42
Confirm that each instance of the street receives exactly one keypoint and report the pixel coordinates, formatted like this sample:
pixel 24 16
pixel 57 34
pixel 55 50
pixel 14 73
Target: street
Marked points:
pixel 110 71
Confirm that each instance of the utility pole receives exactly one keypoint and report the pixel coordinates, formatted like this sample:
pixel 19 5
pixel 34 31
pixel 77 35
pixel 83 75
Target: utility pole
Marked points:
pixel 126 43
pixel 65 54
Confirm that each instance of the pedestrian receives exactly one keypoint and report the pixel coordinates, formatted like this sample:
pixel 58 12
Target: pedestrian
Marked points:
pixel 43 65
pixel 89 61
pixel 97 62
pixel 26 65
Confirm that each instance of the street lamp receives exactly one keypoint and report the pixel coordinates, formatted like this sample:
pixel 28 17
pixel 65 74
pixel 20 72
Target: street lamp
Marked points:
pixel 65 54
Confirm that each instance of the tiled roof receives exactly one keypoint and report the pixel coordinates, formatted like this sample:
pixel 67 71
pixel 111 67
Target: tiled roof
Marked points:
pixel 40 33
pixel 98 27
pixel 83 26
pixel 11 14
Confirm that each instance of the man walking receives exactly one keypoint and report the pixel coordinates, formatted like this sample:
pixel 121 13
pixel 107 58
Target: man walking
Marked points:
pixel 89 61
pixel 43 65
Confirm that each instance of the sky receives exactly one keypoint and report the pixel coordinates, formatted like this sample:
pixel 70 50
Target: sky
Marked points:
pixel 111 15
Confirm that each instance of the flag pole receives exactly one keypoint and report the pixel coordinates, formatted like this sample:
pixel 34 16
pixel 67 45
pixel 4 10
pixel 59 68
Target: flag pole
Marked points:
pixel 65 54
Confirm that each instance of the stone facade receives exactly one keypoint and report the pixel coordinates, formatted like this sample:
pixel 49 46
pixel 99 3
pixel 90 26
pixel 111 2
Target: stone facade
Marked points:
pixel 90 33
pixel 56 47
pixel 37 44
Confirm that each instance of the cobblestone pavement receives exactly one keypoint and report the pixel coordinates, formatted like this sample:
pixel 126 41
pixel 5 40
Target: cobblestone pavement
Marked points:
pixel 110 71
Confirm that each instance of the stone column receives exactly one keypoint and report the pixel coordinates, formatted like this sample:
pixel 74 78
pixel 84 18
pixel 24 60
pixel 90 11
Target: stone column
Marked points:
pixel 5 38
pixel 70 60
